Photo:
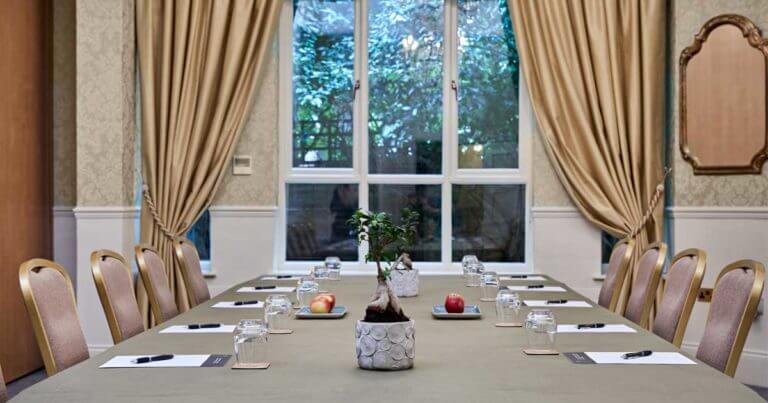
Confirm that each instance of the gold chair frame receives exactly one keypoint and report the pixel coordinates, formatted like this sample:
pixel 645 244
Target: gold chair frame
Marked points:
pixel 146 278
pixel 693 290
pixel 96 258
pixel 622 273
pixel 179 252
pixel 34 312
pixel 653 287
pixel 748 316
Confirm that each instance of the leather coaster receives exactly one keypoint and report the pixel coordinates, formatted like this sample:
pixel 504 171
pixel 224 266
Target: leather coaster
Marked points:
pixel 255 365
pixel 509 325
pixel 488 299
pixel 280 331
pixel 539 351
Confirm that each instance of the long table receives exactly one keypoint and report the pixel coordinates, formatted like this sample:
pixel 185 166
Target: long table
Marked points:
pixel 456 361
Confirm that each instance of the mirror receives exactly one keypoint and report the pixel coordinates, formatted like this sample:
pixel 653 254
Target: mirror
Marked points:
pixel 724 98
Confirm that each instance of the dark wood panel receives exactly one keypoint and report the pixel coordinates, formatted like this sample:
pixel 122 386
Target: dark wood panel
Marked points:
pixel 25 168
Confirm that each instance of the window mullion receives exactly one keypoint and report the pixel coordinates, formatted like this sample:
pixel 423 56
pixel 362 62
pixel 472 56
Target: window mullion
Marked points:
pixel 450 142
pixel 361 136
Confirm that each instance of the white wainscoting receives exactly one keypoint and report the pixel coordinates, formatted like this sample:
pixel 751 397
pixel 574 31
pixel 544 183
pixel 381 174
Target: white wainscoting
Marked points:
pixel 567 246
pixel 727 234
pixel 242 244
pixel 100 227
pixel 65 240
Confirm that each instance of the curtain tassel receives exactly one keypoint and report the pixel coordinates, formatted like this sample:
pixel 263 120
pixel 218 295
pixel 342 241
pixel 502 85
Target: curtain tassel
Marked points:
pixel 156 216
pixel 652 205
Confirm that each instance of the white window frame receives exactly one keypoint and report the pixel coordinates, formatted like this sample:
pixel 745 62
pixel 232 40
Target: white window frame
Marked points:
pixel 450 156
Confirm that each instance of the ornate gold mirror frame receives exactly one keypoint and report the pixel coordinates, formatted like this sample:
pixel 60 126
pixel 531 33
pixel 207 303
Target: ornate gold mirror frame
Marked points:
pixel 724 98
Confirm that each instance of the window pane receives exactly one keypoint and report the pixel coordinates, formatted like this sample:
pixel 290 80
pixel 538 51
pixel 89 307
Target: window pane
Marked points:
pixel 317 221
pixel 424 199
pixel 323 76
pixel 488 86
pixel 200 235
pixel 405 73
pixel 489 221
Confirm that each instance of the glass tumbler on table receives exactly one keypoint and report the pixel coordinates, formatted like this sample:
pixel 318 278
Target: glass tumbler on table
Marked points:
pixel 277 312
pixel 508 308
pixel 474 274
pixel 251 342
pixel 333 265
pixel 541 329
pixel 466 260
pixel 489 286
pixel 307 289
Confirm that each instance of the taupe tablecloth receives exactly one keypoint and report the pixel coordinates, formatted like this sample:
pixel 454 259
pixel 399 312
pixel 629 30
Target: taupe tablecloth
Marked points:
pixel 456 361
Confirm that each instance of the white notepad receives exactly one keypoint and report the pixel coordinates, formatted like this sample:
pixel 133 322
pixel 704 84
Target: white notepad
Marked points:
pixel 528 278
pixel 293 277
pixel 618 328
pixel 185 329
pixel 276 290
pixel 178 361
pixel 542 289
pixel 231 304
pixel 655 358
pixel 543 304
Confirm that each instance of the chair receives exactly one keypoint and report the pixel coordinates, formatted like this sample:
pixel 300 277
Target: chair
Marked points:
pixel 114 282
pixel 617 272
pixel 646 284
pixel 3 392
pixel 731 311
pixel 51 305
pixel 153 275
pixel 680 292
pixel 191 272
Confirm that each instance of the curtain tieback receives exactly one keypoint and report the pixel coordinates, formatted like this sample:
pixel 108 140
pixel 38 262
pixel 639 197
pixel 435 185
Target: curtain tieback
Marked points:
pixel 652 205
pixel 156 216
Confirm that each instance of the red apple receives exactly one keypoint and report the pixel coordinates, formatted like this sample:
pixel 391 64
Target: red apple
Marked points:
pixel 320 304
pixel 330 297
pixel 454 303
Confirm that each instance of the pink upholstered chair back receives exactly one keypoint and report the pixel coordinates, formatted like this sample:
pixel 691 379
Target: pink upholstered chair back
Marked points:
pixel 114 282
pixel 153 275
pixel 51 305
pixel 617 272
pixel 189 260
pixel 731 311
pixel 646 284
pixel 3 392
pixel 681 289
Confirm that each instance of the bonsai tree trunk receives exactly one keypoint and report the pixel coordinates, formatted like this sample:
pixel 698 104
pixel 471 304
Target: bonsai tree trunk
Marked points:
pixel 384 306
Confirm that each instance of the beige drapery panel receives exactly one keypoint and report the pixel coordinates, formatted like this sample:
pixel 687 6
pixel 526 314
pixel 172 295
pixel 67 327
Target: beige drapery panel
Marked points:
pixel 199 61
pixel 595 72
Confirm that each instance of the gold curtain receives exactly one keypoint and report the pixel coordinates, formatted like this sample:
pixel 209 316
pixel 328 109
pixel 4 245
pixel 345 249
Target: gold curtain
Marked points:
pixel 595 72
pixel 199 61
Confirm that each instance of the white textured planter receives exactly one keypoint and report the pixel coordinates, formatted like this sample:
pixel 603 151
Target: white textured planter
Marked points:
pixel 405 282
pixel 385 346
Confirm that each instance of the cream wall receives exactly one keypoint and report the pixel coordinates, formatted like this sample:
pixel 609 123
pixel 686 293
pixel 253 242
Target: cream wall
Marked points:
pixel 64 184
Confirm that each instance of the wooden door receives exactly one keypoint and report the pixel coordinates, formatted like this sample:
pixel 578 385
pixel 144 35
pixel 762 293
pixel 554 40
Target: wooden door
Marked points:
pixel 25 169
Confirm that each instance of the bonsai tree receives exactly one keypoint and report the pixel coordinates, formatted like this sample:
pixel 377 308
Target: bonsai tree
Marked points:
pixel 386 241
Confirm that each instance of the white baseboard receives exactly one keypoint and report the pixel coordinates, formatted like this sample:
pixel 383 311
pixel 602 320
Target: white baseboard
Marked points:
pixel 96 349
pixel 65 239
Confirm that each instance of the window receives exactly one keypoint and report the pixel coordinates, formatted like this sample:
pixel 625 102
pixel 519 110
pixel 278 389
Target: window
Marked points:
pixel 200 235
pixel 403 103
pixel 607 242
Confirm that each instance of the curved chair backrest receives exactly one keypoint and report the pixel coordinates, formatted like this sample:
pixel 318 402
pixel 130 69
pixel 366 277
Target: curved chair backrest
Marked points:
pixel 3 392
pixel 680 292
pixel 153 275
pixel 731 311
pixel 646 284
pixel 52 309
pixel 114 282
pixel 617 272
pixel 191 271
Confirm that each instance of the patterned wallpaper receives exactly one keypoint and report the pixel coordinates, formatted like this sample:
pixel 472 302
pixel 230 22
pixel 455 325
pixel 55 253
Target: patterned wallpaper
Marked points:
pixel 64 190
pixel 706 190
pixel 547 190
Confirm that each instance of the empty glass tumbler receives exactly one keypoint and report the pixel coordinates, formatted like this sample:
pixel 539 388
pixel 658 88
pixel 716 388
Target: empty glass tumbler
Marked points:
pixel 466 260
pixel 251 337
pixel 333 264
pixel 541 329
pixel 489 286
pixel 474 274
pixel 307 289
pixel 277 313
pixel 508 308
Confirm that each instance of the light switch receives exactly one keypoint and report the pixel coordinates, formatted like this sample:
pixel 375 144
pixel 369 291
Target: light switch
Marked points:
pixel 241 165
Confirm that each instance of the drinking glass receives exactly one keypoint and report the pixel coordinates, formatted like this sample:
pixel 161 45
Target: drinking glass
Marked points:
pixel 541 329
pixel 333 264
pixel 277 312
pixel 307 289
pixel 489 286
pixel 508 308
pixel 466 260
pixel 474 274
pixel 251 342
pixel 320 273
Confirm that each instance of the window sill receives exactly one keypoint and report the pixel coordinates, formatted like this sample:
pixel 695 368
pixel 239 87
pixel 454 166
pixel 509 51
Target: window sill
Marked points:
pixel 598 277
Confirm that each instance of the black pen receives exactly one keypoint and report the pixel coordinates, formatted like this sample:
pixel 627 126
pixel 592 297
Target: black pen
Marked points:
pixel 144 360
pixel 557 301
pixel 644 353
pixel 203 326
pixel 535 286
pixel 518 276
pixel 283 276
pixel 264 287
pixel 590 326
pixel 251 302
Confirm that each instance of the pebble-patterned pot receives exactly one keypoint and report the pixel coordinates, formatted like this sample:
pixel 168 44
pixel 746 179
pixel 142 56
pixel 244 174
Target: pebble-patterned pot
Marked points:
pixel 385 346
pixel 405 282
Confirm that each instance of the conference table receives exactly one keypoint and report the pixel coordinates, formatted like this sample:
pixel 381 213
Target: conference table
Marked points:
pixel 456 360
